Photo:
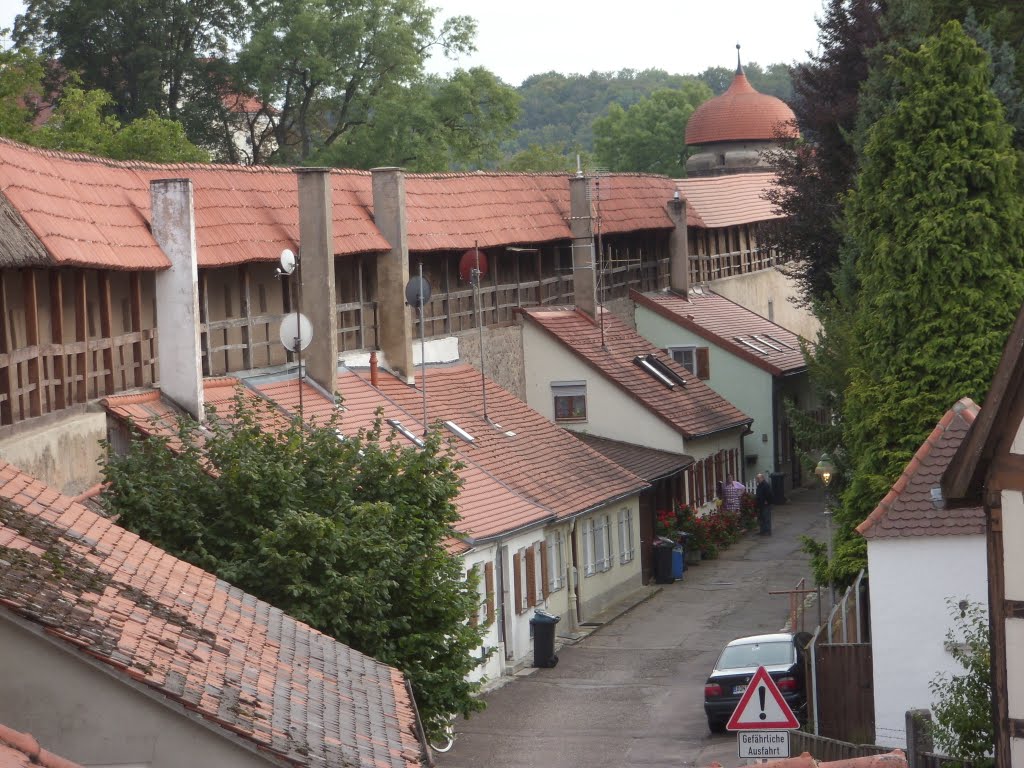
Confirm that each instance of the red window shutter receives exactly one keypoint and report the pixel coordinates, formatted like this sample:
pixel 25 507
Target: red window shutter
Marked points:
pixel 544 575
pixel 531 576
pixel 719 462
pixel 703 363
pixel 489 589
pixel 732 463
pixel 691 489
pixel 518 581
pixel 700 482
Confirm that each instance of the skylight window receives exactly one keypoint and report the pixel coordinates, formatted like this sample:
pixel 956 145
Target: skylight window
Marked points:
pixel 406 432
pixel 748 343
pixel 658 370
pixel 767 342
pixel 780 343
pixel 459 431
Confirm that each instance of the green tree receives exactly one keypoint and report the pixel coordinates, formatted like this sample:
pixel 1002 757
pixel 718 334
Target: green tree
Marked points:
pixel 649 136
pixel 79 124
pixel 435 124
pixel 347 535
pixel 547 158
pixel 936 221
pixel 21 77
pixel 323 64
pixel 962 707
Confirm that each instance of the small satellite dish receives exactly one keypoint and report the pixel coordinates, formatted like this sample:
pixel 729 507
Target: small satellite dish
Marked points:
pixel 417 292
pixel 468 265
pixel 296 331
pixel 287 262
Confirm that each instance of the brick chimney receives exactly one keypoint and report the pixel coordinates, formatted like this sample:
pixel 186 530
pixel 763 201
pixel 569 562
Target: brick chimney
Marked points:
pixel 316 271
pixel 678 247
pixel 581 225
pixel 394 329
pixel 177 294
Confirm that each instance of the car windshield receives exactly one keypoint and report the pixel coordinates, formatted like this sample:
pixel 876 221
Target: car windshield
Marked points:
pixel 757 655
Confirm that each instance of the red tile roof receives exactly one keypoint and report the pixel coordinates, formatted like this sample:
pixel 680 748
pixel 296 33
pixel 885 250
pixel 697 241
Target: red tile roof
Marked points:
pixel 21 750
pixel 487 506
pixel 94 212
pixel 240 663
pixel 648 463
pixel 693 410
pixel 726 201
pixel 740 114
pixel 537 460
pixel 908 510
pixel 727 324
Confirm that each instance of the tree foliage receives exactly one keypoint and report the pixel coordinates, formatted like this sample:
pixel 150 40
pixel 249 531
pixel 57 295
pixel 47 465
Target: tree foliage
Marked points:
pixel 937 223
pixel 963 726
pixel 649 136
pixel 21 77
pixel 346 534
pixel 537 158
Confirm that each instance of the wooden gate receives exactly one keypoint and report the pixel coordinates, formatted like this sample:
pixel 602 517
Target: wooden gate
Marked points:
pixel 845 692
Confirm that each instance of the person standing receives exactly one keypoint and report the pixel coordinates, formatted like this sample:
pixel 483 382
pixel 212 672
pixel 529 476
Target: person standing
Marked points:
pixel 731 493
pixel 763 500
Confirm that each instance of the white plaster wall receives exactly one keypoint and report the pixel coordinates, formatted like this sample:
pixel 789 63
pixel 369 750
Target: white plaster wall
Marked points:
pixel 493 667
pixel 1013 545
pixel 82 713
pixel 611 412
pixel 518 644
pixel 743 384
pixel 64 453
pixel 1015 668
pixel 911 580
pixel 767 293
pixel 600 590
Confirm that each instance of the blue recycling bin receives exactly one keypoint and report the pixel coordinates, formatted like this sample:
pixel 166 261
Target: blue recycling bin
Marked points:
pixel 678 562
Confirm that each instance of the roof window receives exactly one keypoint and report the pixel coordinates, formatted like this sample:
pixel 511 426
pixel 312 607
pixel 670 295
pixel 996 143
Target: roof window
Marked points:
pixel 749 343
pixel 779 342
pixel 459 431
pixel 767 342
pixel 406 432
pixel 659 371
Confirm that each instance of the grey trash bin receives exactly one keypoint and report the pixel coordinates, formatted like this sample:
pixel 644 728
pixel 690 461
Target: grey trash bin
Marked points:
pixel 543 625
pixel 778 488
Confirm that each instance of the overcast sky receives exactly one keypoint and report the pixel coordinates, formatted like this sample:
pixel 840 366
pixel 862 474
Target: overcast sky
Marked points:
pixel 525 37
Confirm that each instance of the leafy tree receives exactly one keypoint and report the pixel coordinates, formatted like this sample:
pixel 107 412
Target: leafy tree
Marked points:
pixel 937 223
pixel 21 77
pixel 774 80
pixel 435 124
pixel 323 64
pixel 547 158
pixel 649 136
pixel 347 535
pixel 963 725
pixel 78 124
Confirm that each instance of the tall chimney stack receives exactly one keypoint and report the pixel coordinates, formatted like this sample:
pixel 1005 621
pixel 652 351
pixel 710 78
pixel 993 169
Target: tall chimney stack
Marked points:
pixel 584 278
pixel 678 247
pixel 177 294
pixel 394 329
pixel 316 270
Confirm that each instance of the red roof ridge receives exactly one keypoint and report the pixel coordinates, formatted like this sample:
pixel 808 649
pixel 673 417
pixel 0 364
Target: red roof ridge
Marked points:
pixel 131 398
pixel 967 409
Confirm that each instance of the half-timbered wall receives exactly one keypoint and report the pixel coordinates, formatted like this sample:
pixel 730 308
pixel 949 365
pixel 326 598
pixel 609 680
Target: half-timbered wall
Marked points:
pixel 727 251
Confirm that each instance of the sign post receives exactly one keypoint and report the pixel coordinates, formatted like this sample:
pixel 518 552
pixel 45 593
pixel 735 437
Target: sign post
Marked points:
pixel 763 720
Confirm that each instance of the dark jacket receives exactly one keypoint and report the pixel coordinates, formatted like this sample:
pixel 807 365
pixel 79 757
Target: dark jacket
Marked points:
pixel 763 494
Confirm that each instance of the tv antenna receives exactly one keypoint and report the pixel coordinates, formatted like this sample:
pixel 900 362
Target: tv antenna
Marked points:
pixel 417 294
pixel 296 330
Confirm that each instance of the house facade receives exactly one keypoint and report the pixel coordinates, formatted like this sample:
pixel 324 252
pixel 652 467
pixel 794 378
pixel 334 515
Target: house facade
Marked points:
pixel 924 557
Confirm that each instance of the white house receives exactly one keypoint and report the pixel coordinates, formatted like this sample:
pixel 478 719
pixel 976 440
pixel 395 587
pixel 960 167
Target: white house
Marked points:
pixel 923 554
pixel 750 361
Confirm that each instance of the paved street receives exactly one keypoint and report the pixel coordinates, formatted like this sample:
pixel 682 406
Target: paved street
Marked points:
pixel 631 693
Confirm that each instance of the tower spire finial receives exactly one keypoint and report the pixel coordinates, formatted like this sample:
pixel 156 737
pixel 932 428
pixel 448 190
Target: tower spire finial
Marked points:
pixel 739 66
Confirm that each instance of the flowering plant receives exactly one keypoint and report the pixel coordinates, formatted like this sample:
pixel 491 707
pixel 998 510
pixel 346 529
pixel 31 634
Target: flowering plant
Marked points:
pixel 666 523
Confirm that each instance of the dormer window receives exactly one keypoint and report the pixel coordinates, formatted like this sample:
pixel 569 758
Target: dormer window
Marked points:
pixel 570 400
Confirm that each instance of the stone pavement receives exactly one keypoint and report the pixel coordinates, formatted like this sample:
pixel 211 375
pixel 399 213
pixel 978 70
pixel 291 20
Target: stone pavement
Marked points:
pixel 630 692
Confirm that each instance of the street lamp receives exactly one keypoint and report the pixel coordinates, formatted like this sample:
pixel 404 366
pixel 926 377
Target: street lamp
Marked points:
pixel 826 470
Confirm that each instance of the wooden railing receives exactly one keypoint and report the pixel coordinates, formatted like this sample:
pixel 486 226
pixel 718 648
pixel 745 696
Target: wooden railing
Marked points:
pixel 707 267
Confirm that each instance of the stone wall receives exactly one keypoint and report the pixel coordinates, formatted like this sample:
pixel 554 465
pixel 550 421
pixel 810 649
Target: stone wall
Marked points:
pixel 62 452
pixel 503 355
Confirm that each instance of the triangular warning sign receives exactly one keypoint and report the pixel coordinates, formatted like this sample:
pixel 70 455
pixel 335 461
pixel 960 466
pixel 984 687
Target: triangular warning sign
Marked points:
pixel 762 707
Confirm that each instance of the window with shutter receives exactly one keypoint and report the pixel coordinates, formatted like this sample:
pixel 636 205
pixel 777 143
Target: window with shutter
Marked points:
pixel 545 571
pixel 597 530
pixel 626 548
pixel 475 618
pixel 489 586
pixel 517 578
pixel 556 561
pixel 531 577
pixel 588 547
pixel 703 355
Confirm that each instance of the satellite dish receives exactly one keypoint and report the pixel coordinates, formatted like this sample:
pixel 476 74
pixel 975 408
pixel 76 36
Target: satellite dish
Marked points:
pixel 296 331
pixel 417 292
pixel 287 262
pixel 468 264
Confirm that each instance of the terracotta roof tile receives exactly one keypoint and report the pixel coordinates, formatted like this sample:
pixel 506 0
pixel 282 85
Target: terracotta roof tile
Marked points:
pixel 647 463
pixel 740 114
pixel 726 201
pixel 21 750
pixel 215 650
pixel 693 409
pixel 907 509
pixel 538 460
pixel 733 327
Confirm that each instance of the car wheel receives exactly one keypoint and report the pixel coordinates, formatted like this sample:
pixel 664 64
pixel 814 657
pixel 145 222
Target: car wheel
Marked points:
pixel 716 726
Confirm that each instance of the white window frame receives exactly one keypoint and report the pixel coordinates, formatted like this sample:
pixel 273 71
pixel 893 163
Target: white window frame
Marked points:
pixel 600 557
pixel 683 350
pixel 627 549
pixel 556 561
pixel 589 568
pixel 525 599
pixel 568 389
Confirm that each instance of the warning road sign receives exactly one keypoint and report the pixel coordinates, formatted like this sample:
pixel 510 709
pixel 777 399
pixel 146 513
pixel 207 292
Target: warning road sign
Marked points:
pixel 762 707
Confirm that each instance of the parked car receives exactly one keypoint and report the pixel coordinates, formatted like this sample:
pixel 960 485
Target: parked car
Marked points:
pixel 782 656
